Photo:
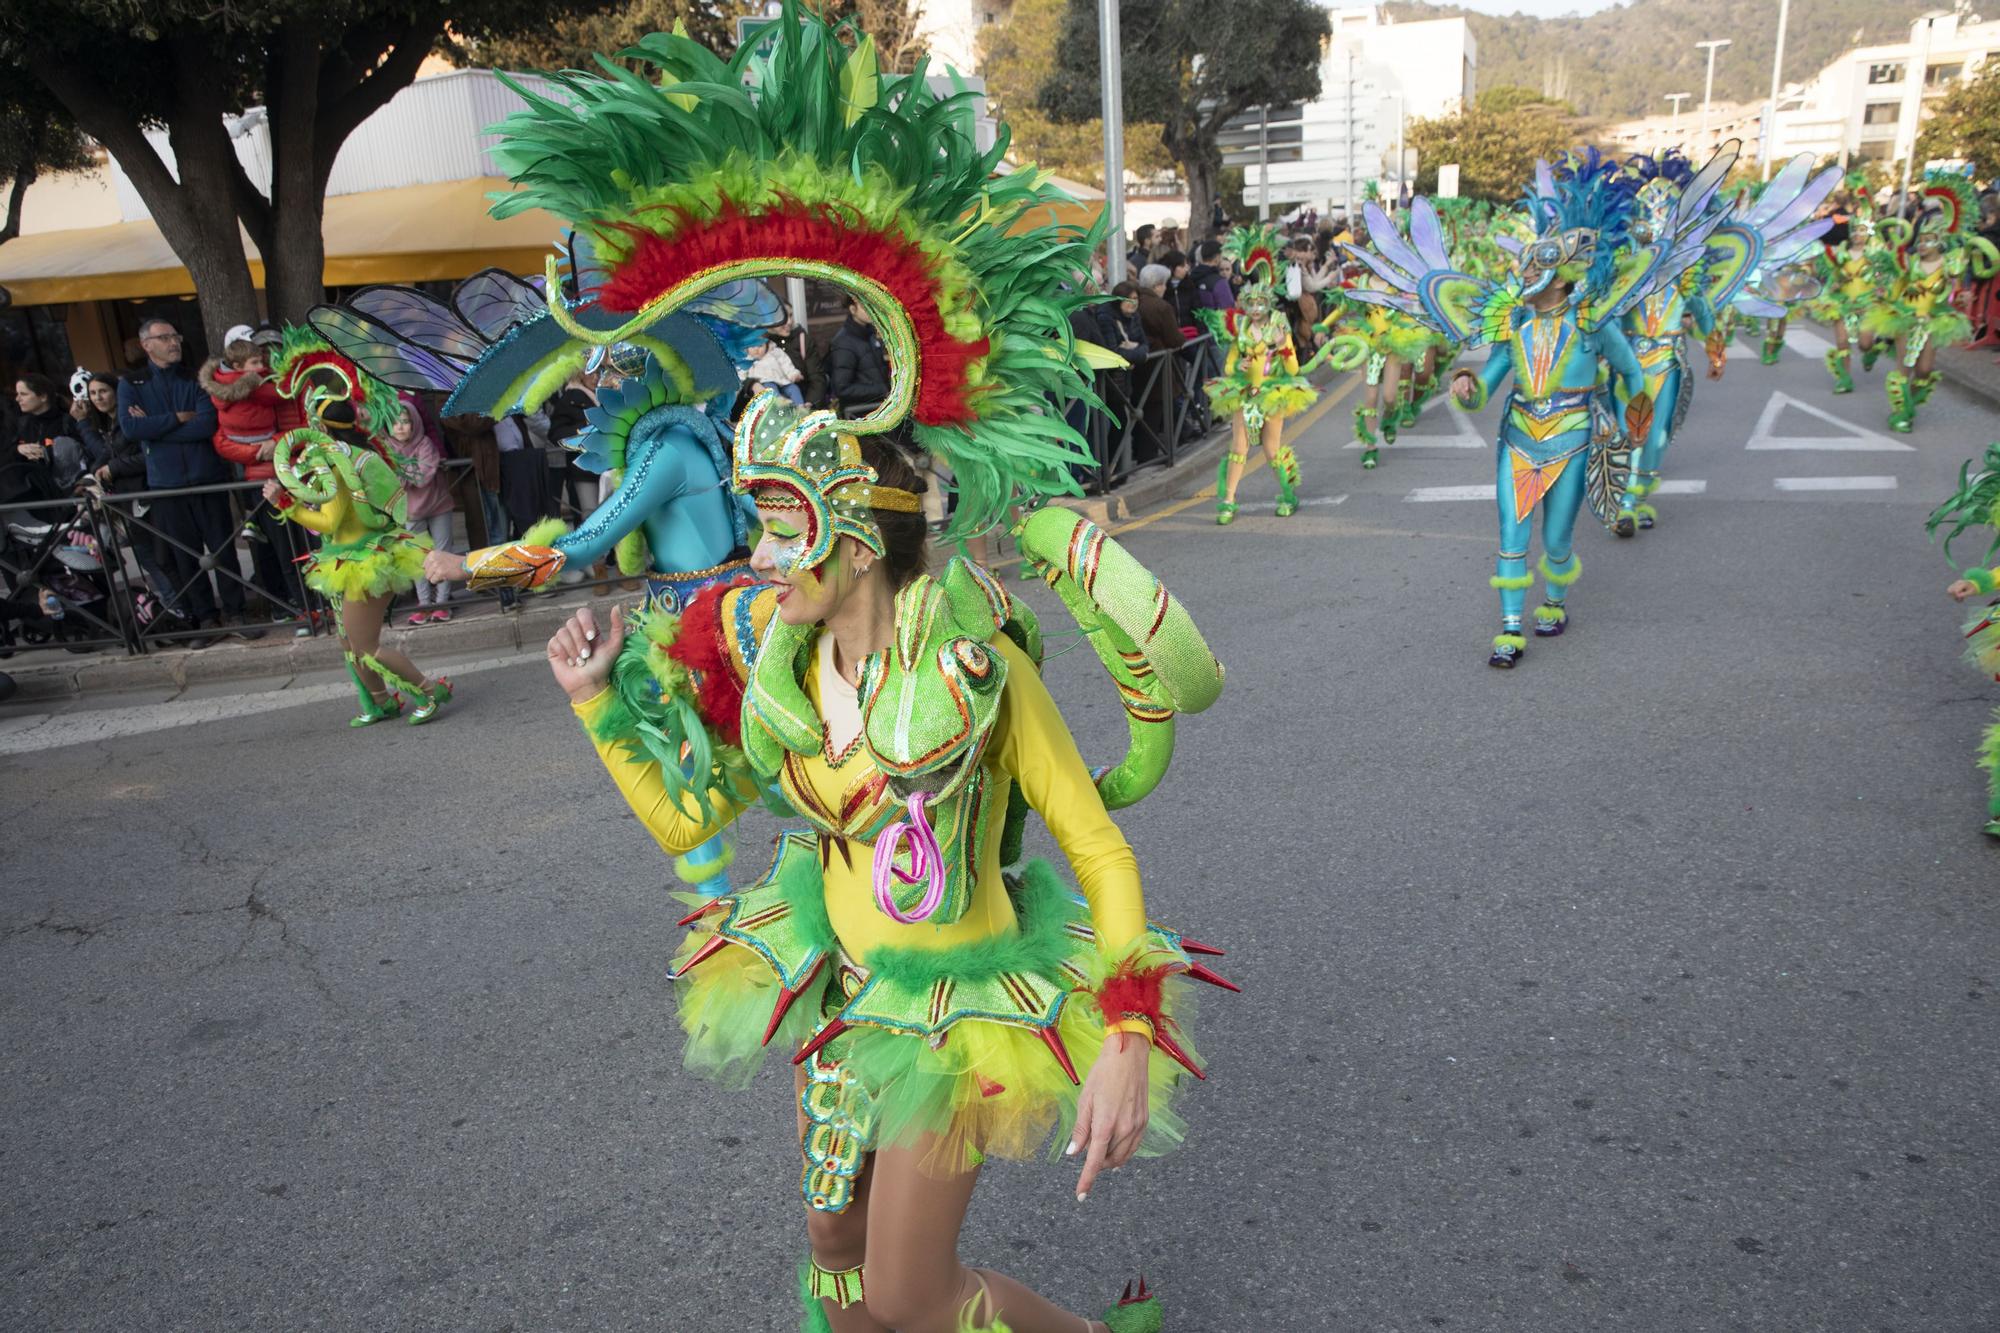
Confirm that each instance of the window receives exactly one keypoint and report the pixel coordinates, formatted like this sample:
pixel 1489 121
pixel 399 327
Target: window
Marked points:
pixel 1889 73
pixel 1874 152
pixel 1882 113
pixel 1940 74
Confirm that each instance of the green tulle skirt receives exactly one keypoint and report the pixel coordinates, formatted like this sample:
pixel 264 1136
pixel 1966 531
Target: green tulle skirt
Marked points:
pixel 382 562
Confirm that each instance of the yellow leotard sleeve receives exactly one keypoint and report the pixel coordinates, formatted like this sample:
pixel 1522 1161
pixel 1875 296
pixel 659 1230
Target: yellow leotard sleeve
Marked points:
pixel 325 519
pixel 676 826
pixel 1034 747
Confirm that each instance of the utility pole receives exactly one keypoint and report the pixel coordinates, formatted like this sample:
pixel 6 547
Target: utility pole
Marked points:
pixel 1674 126
pixel 1352 216
pixel 1708 89
pixel 1110 75
pixel 1399 150
pixel 1264 163
pixel 1777 71
pixel 1915 119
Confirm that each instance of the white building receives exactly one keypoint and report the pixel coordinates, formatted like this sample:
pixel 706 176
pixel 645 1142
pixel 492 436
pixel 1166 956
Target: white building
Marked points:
pixel 951 29
pixel 1867 105
pixel 1375 74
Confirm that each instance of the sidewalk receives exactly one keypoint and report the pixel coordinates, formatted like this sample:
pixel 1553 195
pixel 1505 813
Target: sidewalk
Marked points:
pixel 1973 369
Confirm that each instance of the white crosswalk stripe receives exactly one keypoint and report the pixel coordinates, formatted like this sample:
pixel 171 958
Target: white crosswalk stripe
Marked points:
pixel 1835 483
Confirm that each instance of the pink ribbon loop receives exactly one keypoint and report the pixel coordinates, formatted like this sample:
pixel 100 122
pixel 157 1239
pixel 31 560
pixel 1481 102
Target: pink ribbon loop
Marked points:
pixel 926 863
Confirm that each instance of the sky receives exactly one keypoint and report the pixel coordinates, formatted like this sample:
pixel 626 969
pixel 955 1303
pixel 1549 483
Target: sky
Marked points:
pixel 1539 8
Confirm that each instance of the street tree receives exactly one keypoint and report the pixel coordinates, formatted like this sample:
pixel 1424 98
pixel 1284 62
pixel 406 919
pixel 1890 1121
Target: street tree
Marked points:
pixel 1966 123
pixel 1190 66
pixel 1495 142
pixel 318 67
pixel 37 138
pixel 1015 58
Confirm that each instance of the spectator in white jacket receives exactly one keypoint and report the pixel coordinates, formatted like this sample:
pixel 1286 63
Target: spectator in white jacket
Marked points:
pixel 772 369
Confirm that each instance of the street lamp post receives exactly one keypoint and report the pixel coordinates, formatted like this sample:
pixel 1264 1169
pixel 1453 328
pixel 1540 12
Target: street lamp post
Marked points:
pixel 1113 111
pixel 1674 126
pixel 1916 118
pixel 1777 71
pixel 1708 89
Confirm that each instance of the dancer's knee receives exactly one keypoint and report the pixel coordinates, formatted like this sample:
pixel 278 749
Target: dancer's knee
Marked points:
pixel 909 1294
pixel 839 1240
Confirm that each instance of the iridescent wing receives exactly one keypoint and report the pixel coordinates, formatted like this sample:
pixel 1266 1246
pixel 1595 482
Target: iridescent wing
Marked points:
pixel 1458 302
pixel 1636 275
pixel 494 301
pixel 385 353
pixel 420 320
pixel 746 302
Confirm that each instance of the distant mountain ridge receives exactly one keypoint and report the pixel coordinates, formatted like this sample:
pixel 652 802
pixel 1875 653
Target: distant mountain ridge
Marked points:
pixel 1622 62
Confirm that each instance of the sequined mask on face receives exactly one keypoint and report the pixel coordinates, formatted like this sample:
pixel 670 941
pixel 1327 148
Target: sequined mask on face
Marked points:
pixel 1541 257
pixel 792 459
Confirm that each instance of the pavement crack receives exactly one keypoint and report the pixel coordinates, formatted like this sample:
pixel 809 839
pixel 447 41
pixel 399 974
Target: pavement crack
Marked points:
pixel 80 932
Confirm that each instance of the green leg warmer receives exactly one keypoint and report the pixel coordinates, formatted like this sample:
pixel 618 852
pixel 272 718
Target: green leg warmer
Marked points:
pixel 1989 759
pixel 1559 579
pixel 1920 389
pixel 1362 430
pixel 1837 359
pixel 1288 481
pixel 1902 411
pixel 816 1284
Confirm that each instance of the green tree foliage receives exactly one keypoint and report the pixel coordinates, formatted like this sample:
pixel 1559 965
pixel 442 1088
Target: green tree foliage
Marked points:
pixel 574 40
pixel 1015 58
pixel 319 68
pixel 1966 123
pixel 37 138
pixel 1189 66
pixel 1495 142
pixel 1622 61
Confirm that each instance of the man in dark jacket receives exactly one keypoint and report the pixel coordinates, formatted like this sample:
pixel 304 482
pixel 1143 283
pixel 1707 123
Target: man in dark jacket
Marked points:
pixel 162 407
pixel 1206 285
pixel 857 365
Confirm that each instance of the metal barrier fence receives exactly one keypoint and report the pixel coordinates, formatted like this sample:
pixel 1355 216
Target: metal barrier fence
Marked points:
pixel 142 570
pixel 1152 409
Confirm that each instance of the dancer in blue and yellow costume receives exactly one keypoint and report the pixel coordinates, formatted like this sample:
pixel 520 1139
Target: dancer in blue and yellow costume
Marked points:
pixel 1759 260
pixel 1549 324
pixel 1920 270
pixel 941 999
pixel 1977 505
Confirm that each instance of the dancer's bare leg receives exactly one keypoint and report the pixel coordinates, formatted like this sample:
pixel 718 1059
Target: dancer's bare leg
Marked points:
pixel 915 1282
pixel 361 623
pixel 1239 454
pixel 840 1240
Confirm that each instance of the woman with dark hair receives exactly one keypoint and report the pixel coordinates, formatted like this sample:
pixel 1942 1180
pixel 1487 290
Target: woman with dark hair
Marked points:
pixel 45 447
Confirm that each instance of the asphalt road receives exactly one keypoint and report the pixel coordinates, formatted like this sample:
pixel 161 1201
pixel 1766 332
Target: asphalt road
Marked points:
pixel 1647 987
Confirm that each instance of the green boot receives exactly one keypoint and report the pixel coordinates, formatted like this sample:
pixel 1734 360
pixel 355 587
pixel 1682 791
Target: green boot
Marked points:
pixel 1902 412
pixel 1920 389
pixel 373 710
pixel 1288 481
pixel 1137 1311
pixel 1869 355
pixel 1772 346
pixel 1362 417
pixel 1837 359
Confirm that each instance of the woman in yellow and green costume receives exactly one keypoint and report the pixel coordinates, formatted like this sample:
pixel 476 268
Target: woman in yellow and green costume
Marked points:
pixel 1260 384
pixel 942 1000
pixel 1977 504
pixel 1919 271
pixel 337 481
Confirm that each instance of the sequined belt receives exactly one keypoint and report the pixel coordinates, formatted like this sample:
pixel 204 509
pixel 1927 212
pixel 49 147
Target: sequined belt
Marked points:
pixel 671 592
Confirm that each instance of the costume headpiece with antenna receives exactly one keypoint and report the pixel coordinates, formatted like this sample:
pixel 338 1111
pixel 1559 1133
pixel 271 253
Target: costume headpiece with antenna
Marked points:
pixel 1580 207
pixel 1254 251
pixel 798 157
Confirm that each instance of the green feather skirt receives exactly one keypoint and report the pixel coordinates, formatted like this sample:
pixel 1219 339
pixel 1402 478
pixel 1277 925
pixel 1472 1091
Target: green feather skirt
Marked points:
pixel 383 562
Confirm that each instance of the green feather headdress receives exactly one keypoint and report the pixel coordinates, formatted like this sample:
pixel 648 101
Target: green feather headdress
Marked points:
pixel 1976 502
pixel 798 157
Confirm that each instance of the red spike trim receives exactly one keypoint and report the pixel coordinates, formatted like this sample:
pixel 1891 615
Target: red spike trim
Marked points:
pixel 1196 946
pixel 684 246
pixel 699 912
pixel 1055 1045
pixel 1179 1056
pixel 826 1034
pixel 702 955
pixel 786 995
pixel 1201 972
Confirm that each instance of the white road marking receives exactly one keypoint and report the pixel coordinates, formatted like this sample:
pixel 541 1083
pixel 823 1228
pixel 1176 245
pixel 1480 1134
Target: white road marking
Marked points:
pixel 1678 486
pixel 28 733
pixel 1324 500
pixel 1849 439
pixel 1807 343
pixel 1435 494
pixel 1835 483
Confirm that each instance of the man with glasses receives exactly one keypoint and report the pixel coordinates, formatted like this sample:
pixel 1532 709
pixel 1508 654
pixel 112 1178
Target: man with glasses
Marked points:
pixel 162 407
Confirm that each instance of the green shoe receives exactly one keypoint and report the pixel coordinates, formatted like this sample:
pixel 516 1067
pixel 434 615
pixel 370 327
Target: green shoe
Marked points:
pixel 373 710
pixel 1368 458
pixel 1287 506
pixel 1992 828
pixel 434 698
pixel 1769 356
pixel 1225 512
pixel 1836 364
pixel 1137 1311
pixel 1902 411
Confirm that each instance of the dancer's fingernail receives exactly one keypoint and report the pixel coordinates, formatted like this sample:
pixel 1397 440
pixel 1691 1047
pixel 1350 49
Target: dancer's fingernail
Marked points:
pixel 590 634
pixel 1081 1198
pixel 1071 1150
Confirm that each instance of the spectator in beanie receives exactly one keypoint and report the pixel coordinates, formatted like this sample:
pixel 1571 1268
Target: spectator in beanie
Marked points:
pixel 858 374
pixel 161 406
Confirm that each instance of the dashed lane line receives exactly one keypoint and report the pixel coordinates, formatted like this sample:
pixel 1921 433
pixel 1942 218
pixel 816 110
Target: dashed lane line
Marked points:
pixel 1835 483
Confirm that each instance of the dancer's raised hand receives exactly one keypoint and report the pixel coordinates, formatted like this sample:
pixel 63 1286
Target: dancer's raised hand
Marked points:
pixel 581 655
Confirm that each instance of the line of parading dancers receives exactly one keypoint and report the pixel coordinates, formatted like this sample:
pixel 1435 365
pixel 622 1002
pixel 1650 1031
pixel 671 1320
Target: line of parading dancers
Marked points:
pixel 939 998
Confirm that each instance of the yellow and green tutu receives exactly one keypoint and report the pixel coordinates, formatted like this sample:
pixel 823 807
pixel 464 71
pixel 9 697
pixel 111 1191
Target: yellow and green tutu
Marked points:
pixel 380 563
pixel 971 1052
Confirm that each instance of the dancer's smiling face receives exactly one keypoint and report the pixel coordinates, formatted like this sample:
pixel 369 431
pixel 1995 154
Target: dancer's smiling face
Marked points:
pixel 805 596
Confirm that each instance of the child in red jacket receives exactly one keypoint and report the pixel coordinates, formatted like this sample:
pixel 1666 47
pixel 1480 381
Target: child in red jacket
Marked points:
pixel 251 417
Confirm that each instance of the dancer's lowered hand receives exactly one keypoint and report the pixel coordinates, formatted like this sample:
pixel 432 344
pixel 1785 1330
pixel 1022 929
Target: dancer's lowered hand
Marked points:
pixel 580 654
pixel 1464 386
pixel 1111 1111
pixel 1962 589
pixel 444 566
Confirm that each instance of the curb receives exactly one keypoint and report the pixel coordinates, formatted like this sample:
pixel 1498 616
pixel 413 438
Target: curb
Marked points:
pixel 532 625
pixel 1985 387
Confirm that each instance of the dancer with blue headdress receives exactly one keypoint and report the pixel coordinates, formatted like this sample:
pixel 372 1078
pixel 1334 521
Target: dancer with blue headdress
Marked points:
pixel 1549 324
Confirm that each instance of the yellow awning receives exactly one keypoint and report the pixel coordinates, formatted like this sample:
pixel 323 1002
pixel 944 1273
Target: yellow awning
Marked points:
pixel 415 234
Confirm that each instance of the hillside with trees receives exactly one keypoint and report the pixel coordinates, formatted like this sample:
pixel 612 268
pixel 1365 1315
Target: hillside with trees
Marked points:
pixel 1623 61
